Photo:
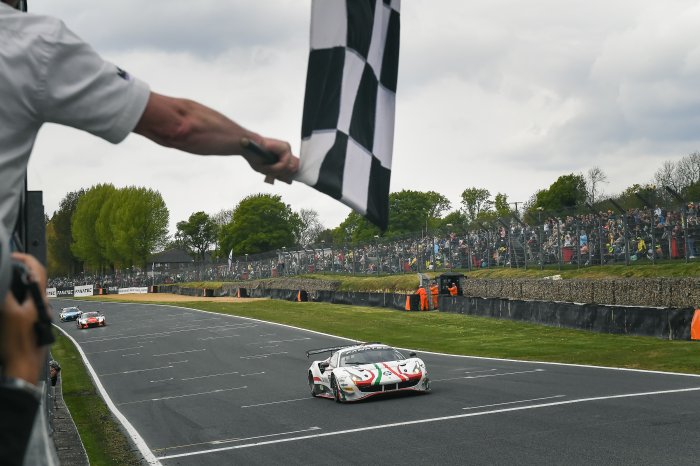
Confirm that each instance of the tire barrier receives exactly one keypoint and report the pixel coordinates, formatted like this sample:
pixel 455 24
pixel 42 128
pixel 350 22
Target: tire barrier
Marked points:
pixel 666 323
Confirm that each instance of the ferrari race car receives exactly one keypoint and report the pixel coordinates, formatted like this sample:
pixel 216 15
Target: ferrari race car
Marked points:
pixel 353 373
pixel 69 313
pixel 91 319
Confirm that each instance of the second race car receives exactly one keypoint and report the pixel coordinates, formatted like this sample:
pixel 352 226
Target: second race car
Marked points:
pixel 70 313
pixel 356 372
pixel 91 319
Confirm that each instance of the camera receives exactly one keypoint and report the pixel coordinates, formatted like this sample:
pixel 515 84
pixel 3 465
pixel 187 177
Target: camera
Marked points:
pixel 15 279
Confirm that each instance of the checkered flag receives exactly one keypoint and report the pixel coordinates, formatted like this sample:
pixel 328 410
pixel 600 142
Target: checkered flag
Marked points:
pixel 348 125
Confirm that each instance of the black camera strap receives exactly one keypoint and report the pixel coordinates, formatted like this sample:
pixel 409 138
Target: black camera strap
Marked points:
pixel 42 327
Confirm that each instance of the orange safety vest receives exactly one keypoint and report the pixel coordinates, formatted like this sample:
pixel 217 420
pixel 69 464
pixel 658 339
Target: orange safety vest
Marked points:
pixel 423 299
pixel 453 290
pixel 434 291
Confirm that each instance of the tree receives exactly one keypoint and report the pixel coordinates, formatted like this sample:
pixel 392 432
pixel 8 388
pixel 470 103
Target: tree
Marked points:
pixel 59 235
pixel 474 201
pixel 311 227
pixel 85 243
pixel 594 178
pixel 198 233
pixel 410 210
pixel 500 204
pixel 140 225
pixel 221 219
pixel 260 223
pixel 566 193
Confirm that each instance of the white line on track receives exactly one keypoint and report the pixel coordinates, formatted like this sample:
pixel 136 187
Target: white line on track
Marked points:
pixel 279 341
pixel 216 338
pixel 130 354
pixel 211 375
pixel 182 396
pixel 488 375
pixel 179 352
pixel 164 334
pixel 137 370
pixel 162 380
pixel 242 439
pixel 117 349
pixel 254 373
pixel 435 419
pixel 178 362
pixel 276 402
pixel 515 402
pixel 262 356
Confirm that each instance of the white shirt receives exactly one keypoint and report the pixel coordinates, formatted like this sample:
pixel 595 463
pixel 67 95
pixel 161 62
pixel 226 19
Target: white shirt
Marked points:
pixel 48 74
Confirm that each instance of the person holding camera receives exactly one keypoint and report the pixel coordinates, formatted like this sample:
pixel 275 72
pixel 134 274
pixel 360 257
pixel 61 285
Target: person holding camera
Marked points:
pixel 22 357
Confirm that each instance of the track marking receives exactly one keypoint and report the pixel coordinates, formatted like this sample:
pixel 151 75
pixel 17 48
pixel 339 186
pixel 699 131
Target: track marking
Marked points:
pixel 206 376
pixel 182 396
pixel 137 370
pixel 230 440
pixel 254 373
pixel 514 402
pixel 276 402
pixel 435 419
pixel 178 352
pixel 165 334
pixel 117 349
pixel 216 338
pixel 487 375
pixel 262 356
pixel 130 354
pixel 178 362
pixel 279 341
pixel 162 380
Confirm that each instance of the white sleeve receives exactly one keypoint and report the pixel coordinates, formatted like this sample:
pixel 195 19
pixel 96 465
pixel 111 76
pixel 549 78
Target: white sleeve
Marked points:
pixel 82 90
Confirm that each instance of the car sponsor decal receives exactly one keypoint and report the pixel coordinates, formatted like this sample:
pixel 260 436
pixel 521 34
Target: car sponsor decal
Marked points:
pixel 379 374
pixel 401 377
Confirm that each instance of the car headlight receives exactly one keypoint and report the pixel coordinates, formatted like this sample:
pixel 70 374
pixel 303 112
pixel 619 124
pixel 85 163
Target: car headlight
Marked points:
pixel 355 378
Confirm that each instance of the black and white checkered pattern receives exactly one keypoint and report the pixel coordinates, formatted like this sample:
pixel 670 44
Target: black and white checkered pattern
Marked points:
pixel 348 126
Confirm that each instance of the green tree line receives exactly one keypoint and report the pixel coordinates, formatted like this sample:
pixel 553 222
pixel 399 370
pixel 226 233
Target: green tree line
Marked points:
pixel 109 228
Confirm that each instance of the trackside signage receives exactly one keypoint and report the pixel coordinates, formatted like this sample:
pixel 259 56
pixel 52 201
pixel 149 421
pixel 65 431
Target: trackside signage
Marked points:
pixel 134 290
pixel 51 293
pixel 85 290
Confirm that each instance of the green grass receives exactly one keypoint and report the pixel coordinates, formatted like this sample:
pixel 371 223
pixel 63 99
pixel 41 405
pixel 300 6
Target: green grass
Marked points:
pixel 101 434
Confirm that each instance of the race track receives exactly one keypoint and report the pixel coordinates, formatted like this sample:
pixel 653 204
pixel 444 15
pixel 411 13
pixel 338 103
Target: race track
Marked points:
pixel 208 389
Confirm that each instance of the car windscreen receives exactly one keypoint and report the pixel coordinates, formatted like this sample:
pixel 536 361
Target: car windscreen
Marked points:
pixel 369 356
pixel 90 314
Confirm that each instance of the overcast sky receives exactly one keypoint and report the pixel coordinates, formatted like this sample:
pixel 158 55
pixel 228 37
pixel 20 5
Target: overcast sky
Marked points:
pixel 500 94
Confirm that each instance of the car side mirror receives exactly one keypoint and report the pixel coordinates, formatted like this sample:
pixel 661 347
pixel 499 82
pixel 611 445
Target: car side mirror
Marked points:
pixel 323 366
pixel 411 354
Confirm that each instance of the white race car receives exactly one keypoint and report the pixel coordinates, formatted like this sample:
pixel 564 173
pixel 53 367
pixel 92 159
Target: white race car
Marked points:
pixel 356 372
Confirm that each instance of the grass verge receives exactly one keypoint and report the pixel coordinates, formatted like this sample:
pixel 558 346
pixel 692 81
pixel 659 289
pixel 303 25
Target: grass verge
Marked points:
pixel 101 434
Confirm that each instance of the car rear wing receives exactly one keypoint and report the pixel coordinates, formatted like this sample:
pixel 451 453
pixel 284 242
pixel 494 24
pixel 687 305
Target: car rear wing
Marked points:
pixel 336 348
pixel 326 350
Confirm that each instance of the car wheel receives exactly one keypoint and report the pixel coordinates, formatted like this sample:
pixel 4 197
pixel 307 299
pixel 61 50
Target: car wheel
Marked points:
pixel 336 391
pixel 312 386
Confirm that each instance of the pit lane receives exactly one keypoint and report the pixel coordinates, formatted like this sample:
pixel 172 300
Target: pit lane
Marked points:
pixel 202 388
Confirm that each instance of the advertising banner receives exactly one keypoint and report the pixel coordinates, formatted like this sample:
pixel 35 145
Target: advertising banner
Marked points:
pixel 85 290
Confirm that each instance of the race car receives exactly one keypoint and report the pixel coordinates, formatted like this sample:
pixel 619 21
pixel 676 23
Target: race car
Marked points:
pixel 91 319
pixel 69 313
pixel 353 373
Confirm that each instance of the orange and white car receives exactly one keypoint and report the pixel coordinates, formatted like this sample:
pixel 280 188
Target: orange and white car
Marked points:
pixel 91 319
pixel 353 373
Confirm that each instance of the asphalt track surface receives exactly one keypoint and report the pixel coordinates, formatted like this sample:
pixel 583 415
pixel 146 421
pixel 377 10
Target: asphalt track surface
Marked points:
pixel 197 388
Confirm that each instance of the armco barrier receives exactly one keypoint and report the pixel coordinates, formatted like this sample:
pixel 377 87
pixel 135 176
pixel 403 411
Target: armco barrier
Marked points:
pixel 667 323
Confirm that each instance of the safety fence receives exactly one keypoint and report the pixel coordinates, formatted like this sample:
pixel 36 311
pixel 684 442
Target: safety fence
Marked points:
pixel 637 236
